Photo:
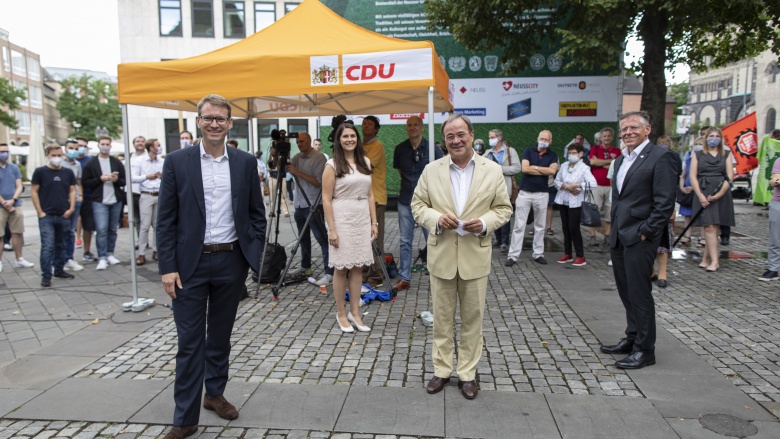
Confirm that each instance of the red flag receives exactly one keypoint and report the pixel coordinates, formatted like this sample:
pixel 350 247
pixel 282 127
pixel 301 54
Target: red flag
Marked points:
pixel 741 138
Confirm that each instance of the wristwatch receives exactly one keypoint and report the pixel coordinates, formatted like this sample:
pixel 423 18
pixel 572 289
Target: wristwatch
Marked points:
pixel 537 168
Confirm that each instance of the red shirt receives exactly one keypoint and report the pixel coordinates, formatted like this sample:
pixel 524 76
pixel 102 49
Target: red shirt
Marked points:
pixel 600 173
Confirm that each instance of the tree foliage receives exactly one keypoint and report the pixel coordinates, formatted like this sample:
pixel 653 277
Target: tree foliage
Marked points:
pixel 9 101
pixel 680 94
pixel 91 103
pixel 592 33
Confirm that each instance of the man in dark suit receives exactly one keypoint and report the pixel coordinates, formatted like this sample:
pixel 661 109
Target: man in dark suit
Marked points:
pixel 643 194
pixel 210 230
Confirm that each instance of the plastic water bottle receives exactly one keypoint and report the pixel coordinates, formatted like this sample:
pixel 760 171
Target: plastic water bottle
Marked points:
pixel 427 318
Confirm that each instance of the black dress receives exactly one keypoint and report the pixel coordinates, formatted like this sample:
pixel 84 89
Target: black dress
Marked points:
pixel 711 172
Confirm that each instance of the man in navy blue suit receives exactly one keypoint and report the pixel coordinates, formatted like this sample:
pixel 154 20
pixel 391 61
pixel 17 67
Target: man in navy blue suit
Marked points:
pixel 210 230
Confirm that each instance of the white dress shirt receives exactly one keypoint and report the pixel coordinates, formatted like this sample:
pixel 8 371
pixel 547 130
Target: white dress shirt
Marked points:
pixel 220 225
pixel 460 181
pixel 146 166
pixel 628 159
pixel 134 160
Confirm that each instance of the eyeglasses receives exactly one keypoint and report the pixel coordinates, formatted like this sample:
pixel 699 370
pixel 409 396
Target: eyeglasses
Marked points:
pixel 462 136
pixel 221 120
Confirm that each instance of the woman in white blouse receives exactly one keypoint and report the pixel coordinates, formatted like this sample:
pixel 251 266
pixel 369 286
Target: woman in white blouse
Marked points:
pixel 571 181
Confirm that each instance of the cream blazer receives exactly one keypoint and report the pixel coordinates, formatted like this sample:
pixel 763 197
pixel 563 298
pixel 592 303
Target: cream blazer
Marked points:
pixel 449 253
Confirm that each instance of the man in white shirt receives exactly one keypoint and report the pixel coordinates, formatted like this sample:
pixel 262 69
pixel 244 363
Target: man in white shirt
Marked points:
pixel 139 143
pixel 147 175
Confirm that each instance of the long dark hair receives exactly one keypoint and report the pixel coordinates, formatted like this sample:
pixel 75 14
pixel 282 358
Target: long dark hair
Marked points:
pixel 340 161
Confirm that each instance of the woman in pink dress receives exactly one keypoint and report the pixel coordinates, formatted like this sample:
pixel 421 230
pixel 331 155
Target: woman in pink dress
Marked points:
pixel 351 215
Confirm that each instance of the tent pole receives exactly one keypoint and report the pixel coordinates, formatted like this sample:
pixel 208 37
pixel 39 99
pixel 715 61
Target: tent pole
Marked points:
pixel 431 128
pixel 137 304
pixel 251 135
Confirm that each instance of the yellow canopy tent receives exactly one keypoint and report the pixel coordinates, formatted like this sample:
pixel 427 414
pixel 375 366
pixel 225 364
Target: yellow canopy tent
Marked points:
pixel 312 62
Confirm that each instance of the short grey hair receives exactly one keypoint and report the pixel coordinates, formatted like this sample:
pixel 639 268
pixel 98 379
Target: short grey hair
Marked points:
pixel 642 115
pixel 456 116
pixel 498 133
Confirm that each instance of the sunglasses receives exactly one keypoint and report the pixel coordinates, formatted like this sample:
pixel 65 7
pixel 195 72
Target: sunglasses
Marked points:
pixel 416 155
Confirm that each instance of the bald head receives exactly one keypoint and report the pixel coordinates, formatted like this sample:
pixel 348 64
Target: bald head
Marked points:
pixel 545 136
pixel 414 128
pixel 304 142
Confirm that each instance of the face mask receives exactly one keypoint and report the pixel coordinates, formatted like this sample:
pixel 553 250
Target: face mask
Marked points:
pixel 493 142
pixel 698 148
pixel 184 143
pixel 574 158
pixel 542 145
pixel 72 154
pixel 55 161
pixel 478 147
pixel 663 145
pixel 712 142
pixel 82 150
pixel 3 156
pixel 104 149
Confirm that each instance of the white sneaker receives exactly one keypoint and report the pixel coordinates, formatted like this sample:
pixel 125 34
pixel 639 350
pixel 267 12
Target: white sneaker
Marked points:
pixel 609 263
pixel 326 279
pixel 112 260
pixel 22 263
pixel 102 264
pixel 7 247
pixel 72 265
pixel 1 267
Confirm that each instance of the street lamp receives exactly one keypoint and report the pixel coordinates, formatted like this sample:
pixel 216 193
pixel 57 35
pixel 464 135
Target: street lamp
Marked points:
pixel 101 131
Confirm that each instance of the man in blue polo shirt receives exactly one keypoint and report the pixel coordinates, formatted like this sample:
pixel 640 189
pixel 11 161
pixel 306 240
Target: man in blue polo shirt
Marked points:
pixel 409 159
pixel 538 164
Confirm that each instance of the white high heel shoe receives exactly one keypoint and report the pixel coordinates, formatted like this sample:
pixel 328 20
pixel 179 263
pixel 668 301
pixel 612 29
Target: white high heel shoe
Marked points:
pixel 360 328
pixel 344 328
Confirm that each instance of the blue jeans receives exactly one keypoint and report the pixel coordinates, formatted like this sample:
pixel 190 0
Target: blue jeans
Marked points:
pixel 70 241
pixel 54 235
pixel 406 235
pixel 106 222
pixel 317 227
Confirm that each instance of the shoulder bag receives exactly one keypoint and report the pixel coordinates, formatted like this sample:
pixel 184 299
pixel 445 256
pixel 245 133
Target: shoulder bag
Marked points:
pixel 590 211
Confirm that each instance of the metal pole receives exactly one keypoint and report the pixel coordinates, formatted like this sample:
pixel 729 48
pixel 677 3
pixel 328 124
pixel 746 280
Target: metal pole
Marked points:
pixel 620 81
pixel 431 128
pixel 744 96
pixel 252 148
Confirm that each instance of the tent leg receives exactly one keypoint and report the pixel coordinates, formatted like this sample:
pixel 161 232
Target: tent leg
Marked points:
pixel 250 131
pixel 431 128
pixel 137 304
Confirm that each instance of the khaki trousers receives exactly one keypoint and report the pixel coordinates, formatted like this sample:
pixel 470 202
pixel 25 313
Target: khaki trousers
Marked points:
pixel 446 294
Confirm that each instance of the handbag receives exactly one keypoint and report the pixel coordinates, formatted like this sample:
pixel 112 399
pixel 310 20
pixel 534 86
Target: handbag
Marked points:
pixel 589 212
pixel 684 199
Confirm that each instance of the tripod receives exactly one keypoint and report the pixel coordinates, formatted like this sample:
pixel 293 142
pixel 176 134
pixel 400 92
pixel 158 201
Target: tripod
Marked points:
pixel 278 199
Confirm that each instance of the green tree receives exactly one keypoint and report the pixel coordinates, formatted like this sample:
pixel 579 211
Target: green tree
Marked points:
pixel 680 94
pixel 701 34
pixel 90 103
pixel 9 101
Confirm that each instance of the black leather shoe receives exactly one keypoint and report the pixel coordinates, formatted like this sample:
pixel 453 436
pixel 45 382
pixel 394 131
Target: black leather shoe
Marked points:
pixel 624 346
pixel 436 385
pixel 636 360
pixel 510 262
pixel 64 275
pixel 662 283
pixel 724 240
pixel 45 282
pixel 540 260
pixel 469 389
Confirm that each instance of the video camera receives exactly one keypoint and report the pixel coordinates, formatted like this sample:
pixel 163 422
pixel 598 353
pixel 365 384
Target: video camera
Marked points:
pixel 281 144
pixel 335 123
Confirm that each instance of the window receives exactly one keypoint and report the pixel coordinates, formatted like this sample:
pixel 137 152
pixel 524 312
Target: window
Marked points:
pixel 36 96
pixel 37 118
pixel 771 117
pixel 24 122
pixel 22 86
pixel 265 15
pixel 289 6
pixel 170 18
pixel 264 128
pixel 33 69
pixel 240 133
pixel 172 131
pixel 6 59
pixel 233 19
pixel 19 64
pixel 202 18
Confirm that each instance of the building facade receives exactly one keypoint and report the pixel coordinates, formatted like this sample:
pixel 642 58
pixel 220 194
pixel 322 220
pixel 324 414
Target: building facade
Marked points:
pixel 23 69
pixel 722 95
pixel 159 30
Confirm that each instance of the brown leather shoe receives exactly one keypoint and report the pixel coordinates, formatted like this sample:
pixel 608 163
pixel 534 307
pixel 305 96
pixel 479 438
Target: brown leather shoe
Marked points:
pixel 154 255
pixel 402 285
pixel 436 385
pixel 219 404
pixel 181 432
pixel 469 389
pixel 141 260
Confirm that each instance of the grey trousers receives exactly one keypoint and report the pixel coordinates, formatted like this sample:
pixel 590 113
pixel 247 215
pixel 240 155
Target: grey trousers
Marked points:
pixel 774 235
pixel 148 209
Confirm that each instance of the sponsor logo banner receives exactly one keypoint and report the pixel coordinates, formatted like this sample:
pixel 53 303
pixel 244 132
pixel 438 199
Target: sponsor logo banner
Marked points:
pixel 518 109
pixel 577 109
pixel 401 65
pixel 471 112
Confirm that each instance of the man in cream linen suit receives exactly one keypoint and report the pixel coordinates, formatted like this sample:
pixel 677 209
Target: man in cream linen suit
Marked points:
pixel 461 199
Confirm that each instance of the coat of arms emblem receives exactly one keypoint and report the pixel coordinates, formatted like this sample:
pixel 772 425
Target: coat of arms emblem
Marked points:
pixel 325 75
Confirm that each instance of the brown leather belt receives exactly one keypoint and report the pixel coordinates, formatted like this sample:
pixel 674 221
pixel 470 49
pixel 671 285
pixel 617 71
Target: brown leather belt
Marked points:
pixel 214 248
pixel 154 194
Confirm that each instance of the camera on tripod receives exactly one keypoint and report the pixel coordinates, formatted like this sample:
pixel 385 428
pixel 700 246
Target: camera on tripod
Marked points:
pixel 281 145
pixel 335 123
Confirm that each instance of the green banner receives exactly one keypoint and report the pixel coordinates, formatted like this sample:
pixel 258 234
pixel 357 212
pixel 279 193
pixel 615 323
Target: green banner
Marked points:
pixel 768 152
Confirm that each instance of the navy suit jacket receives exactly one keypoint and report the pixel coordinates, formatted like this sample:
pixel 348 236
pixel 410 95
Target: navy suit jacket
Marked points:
pixel 181 212
pixel 646 201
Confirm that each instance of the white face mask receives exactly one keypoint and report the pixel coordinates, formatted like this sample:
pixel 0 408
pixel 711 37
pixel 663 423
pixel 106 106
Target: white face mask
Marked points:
pixel 185 143
pixel 698 148
pixel 542 145
pixel 493 142
pixel 104 149
pixel 55 161
pixel 574 158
